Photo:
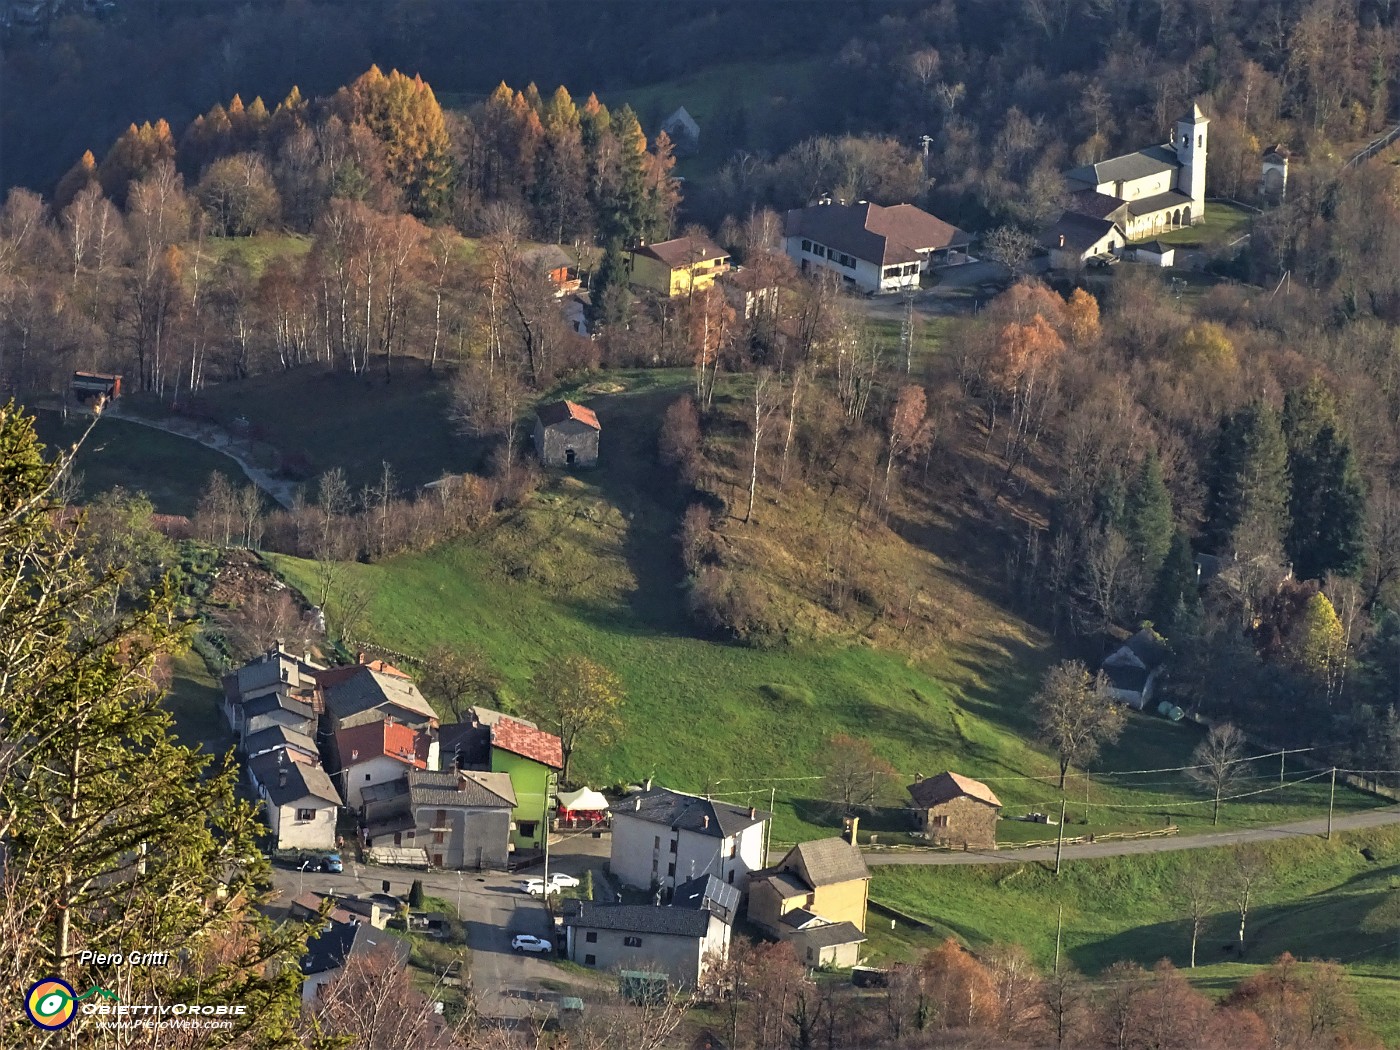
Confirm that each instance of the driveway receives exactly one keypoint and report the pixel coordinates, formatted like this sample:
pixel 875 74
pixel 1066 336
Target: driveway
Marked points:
pixel 1374 818
pixel 507 984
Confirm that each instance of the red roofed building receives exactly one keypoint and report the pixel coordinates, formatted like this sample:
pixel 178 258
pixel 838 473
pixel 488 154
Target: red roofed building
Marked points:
pixel 380 752
pixel 566 435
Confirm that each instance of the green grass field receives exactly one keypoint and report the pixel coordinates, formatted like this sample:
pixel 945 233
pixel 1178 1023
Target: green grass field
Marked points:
pixel 257 251
pixel 169 469
pixel 1322 900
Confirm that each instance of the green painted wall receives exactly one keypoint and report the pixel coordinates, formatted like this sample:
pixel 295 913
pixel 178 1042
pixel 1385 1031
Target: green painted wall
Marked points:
pixel 530 781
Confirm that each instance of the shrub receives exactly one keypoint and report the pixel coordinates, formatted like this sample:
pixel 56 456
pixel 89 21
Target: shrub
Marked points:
pixel 415 895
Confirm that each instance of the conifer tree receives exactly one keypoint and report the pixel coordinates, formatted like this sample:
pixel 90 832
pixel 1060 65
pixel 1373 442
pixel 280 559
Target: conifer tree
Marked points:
pixel 1247 502
pixel 78 178
pixel 1147 517
pixel 1176 598
pixel 609 296
pixel 629 215
pixel 1327 506
pixel 117 837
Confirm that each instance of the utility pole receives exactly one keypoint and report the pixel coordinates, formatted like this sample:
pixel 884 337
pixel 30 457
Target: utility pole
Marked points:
pixel 1059 848
pixel 906 331
pixel 925 140
pixel 545 831
pixel 1059 927
pixel 459 892
pixel 1282 755
pixel 768 838
pixel 1331 802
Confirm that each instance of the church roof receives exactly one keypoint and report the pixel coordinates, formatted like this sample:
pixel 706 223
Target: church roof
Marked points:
pixel 1140 165
pixel 1158 202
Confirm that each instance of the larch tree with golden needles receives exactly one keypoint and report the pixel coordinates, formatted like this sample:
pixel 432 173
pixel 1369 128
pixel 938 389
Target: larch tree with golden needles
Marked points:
pixel 578 699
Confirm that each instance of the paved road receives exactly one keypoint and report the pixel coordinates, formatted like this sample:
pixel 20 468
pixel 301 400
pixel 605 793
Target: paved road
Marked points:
pixel 507 984
pixel 1371 819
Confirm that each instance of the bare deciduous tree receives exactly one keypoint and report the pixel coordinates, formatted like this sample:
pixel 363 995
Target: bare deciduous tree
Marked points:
pixel 1217 764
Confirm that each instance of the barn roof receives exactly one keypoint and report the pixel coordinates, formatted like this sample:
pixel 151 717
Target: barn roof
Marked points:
pixel 947 786
pixel 559 411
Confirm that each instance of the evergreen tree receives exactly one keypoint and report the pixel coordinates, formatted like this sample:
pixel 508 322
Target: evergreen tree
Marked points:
pixel 1148 524
pixel 1247 501
pixel 1176 599
pixel 117 837
pixel 629 214
pixel 608 294
pixel 1327 506
pixel 78 178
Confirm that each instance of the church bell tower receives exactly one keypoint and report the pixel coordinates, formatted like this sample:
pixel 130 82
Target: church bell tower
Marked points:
pixel 1191 140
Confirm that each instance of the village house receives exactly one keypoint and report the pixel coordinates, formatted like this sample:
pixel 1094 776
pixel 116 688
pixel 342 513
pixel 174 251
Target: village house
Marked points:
pixel 681 939
pixel 557 265
pixel 1133 668
pixel 661 838
pixel 566 435
pixel 329 951
pixel 272 709
pixel 531 757
pixel 276 669
pixel 459 819
pixel 1155 253
pixel 376 753
pixel 300 747
pixel 954 810
pixel 1142 194
pixel 92 386
pixel 1076 238
pixel 346 908
pixel 299 801
pixel 873 248
pixel 816 898
pixel 1273 174
pixel 677 267
pixel 366 695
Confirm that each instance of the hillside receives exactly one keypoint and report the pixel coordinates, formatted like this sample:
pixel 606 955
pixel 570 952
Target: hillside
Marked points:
pixel 588 564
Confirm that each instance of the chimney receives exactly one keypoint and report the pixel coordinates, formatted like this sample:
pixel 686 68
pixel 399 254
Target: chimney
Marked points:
pixel 282 777
pixel 354 754
pixel 1062 240
pixel 918 777
pixel 705 821
pixel 647 785
pixel 753 812
pixel 852 826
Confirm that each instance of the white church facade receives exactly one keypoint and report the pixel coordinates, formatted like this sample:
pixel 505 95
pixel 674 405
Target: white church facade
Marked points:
pixel 1142 194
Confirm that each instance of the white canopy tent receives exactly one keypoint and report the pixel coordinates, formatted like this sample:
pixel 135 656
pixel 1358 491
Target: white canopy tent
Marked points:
pixel 582 800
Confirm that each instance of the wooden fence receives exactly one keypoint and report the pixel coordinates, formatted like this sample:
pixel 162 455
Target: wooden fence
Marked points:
pixel 1108 836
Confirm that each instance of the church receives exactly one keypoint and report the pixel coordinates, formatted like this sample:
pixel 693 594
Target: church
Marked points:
pixel 1135 196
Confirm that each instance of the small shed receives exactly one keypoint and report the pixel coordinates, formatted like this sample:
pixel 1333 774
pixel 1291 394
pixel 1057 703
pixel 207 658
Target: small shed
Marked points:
pixel 1273 173
pixel 1155 253
pixel 682 130
pixel 956 811
pixel 566 435
pixel 90 386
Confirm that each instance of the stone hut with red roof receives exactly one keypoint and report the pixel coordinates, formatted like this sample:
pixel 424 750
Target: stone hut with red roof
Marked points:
pixel 566 435
pixel 954 810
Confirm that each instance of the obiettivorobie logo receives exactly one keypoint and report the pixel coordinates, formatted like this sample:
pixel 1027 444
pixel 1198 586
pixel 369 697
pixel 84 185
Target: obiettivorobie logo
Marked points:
pixel 52 1004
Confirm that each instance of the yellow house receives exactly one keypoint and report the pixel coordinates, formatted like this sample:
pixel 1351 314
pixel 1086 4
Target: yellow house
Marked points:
pixel 816 898
pixel 671 268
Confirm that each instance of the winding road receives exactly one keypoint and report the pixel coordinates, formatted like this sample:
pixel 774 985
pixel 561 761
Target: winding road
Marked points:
pixel 1374 818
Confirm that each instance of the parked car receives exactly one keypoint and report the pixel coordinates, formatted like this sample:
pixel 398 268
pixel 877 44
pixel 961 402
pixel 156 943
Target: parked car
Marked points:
pixel 560 881
pixel 524 942
pixel 330 862
pixel 535 887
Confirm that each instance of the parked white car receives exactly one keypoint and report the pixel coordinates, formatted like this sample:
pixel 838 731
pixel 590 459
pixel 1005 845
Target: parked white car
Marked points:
pixel 560 881
pixel 524 942
pixel 535 887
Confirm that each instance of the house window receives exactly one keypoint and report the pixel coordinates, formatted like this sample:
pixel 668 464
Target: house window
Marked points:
pixel 806 246
pixel 730 879
pixel 671 870
pixel 911 269
pixel 941 820
pixel 441 821
pixel 590 960
pixel 439 838
pixel 591 937
pixel 673 845
pixel 734 849
pixel 527 828
pixel 656 842
pixel 367 778
pixel 306 814
pixel 631 942
pixel 891 271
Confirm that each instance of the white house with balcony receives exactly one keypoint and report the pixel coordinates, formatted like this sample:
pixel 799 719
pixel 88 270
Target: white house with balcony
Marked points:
pixel 661 838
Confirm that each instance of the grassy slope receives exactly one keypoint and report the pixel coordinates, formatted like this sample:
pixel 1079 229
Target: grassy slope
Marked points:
pixel 588 566
pixel 171 470
pixel 1223 223
pixel 257 251
pixel 1315 905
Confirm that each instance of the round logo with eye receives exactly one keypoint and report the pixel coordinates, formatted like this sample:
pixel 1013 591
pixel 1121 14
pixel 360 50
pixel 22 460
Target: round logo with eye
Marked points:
pixel 51 1003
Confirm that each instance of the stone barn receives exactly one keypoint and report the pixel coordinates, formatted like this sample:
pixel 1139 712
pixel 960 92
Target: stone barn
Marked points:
pixel 566 435
pixel 953 810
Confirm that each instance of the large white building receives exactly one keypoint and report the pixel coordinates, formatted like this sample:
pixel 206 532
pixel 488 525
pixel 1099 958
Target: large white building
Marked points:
pixel 1139 194
pixel 873 248
pixel 661 838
